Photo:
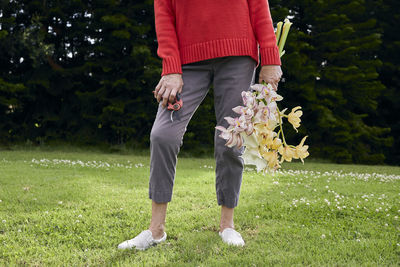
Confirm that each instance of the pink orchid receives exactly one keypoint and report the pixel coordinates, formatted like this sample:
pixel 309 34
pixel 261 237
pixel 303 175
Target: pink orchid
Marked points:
pixel 237 124
pixel 250 128
pixel 262 113
pixel 248 113
pixel 273 110
pixel 266 92
pixel 257 87
pixel 249 100
pixel 273 96
pixel 233 138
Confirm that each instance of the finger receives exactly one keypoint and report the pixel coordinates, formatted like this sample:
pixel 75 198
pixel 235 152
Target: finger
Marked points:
pixel 165 98
pixel 155 92
pixel 158 87
pixel 160 82
pixel 160 93
pixel 172 95
pixel 263 79
pixel 274 86
pixel 180 88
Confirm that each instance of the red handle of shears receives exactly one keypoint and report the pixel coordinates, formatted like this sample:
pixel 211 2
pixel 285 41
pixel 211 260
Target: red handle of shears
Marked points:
pixel 177 105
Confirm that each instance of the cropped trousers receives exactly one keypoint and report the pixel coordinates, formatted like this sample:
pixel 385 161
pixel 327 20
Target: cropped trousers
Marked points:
pixel 229 76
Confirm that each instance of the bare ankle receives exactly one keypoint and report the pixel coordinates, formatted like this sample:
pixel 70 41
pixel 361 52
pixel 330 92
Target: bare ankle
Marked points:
pixel 226 218
pixel 157 222
pixel 157 232
pixel 223 226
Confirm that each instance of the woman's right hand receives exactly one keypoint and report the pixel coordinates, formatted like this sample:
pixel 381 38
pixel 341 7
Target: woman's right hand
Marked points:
pixel 271 74
pixel 168 87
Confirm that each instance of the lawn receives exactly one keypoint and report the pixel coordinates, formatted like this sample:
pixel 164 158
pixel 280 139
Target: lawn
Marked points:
pixel 74 208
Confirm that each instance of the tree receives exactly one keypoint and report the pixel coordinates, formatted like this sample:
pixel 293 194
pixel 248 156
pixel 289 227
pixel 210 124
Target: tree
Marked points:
pixel 93 81
pixel 388 21
pixel 82 71
pixel 342 54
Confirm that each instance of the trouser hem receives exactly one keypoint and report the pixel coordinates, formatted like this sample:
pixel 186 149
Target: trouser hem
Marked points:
pixel 160 196
pixel 228 202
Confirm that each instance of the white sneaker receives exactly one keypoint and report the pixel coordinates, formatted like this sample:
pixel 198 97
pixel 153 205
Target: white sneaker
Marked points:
pixel 231 237
pixel 142 241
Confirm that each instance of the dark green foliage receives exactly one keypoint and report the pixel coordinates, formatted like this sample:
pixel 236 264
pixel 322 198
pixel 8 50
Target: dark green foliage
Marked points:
pixel 349 83
pixel 89 69
pixel 9 105
pixel 388 18
pixel 83 72
pixel 331 71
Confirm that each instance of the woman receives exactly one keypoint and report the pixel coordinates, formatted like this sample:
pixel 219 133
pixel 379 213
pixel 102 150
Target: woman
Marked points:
pixel 203 42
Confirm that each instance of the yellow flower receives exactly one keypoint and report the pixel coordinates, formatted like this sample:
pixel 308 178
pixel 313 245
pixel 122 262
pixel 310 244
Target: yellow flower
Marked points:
pixel 294 117
pixel 272 158
pixel 265 136
pixel 269 125
pixel 287 153
pixel 276 144
pixel 301 150
pixel 272 124
pixel 261 127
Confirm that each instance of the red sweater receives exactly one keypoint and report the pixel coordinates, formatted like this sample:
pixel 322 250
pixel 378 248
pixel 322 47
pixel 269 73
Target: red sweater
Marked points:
pixel 195 30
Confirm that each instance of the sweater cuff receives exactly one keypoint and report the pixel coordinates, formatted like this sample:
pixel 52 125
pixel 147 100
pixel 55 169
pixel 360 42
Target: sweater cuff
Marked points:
pixel 171 65
pixel 270 56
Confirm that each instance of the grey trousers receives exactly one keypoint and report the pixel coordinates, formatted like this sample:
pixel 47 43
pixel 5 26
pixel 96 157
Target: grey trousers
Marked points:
pixel 230 76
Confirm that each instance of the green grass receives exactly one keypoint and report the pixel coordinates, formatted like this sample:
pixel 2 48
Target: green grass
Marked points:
pixel 61 213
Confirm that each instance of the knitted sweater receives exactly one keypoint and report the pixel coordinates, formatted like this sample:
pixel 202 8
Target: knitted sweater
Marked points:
pixel 194 30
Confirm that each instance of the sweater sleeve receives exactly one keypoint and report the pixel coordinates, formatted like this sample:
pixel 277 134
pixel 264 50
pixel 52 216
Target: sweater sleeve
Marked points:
pixel 167 39
pixel 261 22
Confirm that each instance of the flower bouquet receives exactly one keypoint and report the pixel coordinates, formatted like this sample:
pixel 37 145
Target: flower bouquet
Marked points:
pixel 255 128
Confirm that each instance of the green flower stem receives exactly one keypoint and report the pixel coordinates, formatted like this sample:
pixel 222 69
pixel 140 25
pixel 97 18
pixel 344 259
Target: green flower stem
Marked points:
pixel 279 132
pixel 280 125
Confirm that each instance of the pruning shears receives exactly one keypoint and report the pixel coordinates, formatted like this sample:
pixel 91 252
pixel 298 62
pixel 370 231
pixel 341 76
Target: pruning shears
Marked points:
pixel 175 106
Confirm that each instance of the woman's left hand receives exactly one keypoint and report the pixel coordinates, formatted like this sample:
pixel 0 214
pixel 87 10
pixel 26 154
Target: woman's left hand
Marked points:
pixel 270 74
